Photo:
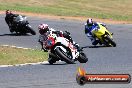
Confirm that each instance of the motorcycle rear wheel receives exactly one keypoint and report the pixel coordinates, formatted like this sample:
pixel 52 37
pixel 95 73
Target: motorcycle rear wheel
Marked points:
pixel 51 60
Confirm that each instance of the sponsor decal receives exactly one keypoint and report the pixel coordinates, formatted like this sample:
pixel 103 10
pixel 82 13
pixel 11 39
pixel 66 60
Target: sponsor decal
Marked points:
pixel 82 78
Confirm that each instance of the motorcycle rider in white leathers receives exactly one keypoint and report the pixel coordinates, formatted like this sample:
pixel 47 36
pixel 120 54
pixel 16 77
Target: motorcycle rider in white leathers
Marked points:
pixel 44 31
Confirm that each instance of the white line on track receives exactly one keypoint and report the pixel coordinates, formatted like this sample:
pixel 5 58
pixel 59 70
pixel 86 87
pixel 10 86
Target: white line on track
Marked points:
pixel 16 47
pixel 44 62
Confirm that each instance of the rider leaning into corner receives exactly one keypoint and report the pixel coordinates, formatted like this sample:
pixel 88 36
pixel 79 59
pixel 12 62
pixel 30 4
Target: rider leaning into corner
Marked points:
pixel 44 31
pixel 9 19
pixel 88 30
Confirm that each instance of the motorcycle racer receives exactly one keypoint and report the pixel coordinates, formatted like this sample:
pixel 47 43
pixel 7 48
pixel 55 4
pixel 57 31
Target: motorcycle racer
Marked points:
pixel 9 19
pixel 44 31
pixel 88 30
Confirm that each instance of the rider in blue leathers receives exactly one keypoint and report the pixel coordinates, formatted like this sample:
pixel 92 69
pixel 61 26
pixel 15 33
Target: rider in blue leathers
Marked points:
pixel 89 27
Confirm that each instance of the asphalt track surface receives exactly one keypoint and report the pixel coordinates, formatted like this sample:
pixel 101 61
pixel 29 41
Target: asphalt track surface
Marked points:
pixel 102 60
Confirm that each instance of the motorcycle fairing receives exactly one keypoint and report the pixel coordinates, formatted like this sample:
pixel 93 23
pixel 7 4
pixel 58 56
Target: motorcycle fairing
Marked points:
pixel 100 31
pixel 66 43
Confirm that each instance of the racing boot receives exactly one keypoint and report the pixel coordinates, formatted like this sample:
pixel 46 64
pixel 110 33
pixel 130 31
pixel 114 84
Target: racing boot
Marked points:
pixel 95 41
pixel 99 42
pixel 11 29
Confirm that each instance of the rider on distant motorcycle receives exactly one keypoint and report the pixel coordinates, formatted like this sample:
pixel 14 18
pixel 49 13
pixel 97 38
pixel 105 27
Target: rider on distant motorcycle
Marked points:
pixel 44 31
pixel 9 19
pixel 88 30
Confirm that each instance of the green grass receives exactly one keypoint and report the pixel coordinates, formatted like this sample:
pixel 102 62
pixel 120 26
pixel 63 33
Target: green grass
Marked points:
pixel 104 9
pixel 12 56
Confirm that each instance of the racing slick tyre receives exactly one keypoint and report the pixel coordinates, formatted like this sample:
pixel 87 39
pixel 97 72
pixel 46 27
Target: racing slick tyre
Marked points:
pixel 64 56
pixel 82 58
pixel 110 41
pixel 31 30
pixel 51 60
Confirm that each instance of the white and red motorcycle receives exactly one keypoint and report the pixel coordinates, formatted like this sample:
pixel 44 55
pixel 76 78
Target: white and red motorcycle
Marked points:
pixel 62 49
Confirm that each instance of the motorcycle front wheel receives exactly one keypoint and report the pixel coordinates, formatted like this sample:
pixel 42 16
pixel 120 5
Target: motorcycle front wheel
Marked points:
pixel 109 41
pixel 64 56
pixel 82 58
pixel 31 30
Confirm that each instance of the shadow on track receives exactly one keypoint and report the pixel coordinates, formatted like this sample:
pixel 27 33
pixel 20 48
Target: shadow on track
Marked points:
pixel 15 34
pixel 56 64
pixel 93 47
